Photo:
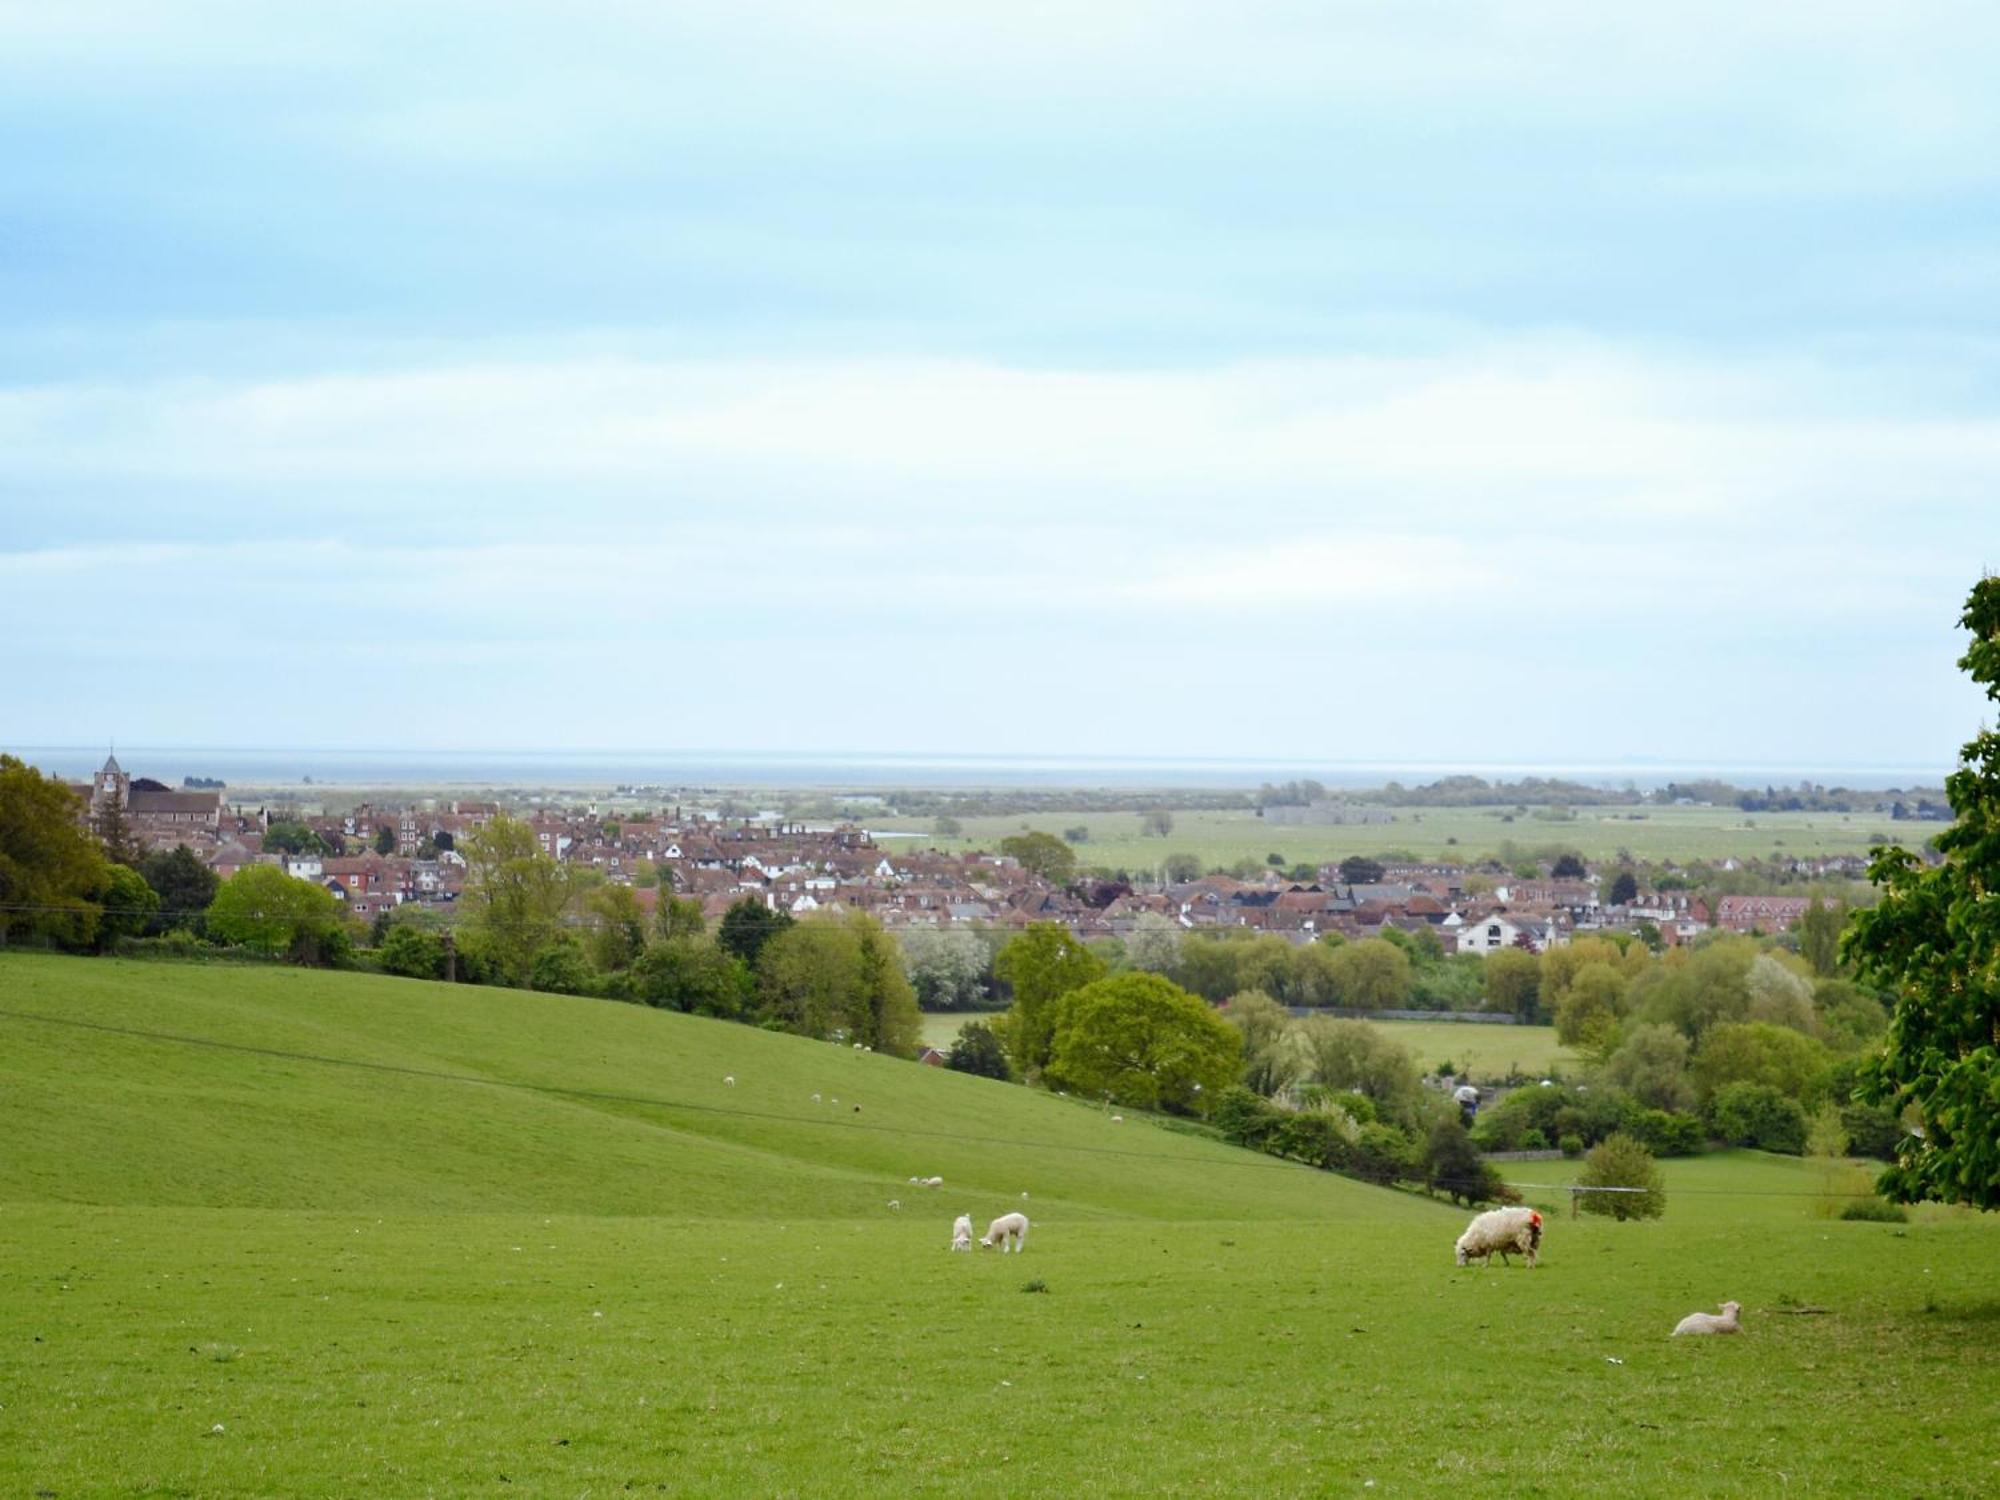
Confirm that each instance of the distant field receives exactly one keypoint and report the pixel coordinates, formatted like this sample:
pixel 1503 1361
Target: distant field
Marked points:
pixel 1486 1050
pixel 584 1264
pixel 1222 838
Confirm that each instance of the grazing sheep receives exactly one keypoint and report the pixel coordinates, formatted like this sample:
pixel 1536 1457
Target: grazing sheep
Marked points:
pixel 929 1182
pixel 730 1079
pixel 1008 1231
pixel 1502 1231
pixel 961 1232
pixel 1709 1322
pixel 1117 1119
pixel 895 1203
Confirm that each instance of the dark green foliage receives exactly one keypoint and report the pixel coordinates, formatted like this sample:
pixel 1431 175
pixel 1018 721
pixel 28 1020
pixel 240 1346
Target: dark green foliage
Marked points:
pixel 1934 942
pixel 1567 867
pixel 1669 1132
pixel 185 887
pixel 1554 1112
pixel 1571 1145
pixel 1755 1114
pixel 385 840
pixel 560 968
pixel 1452 1165
pixel 1620 1161
pixel 412 952
pixel 691 974
pixel 286 837
pixel 977 1051
pixel 1358 869
pixel 50 870
pixel 129 905
pixel 746 927
pixel 1382 1154
pixel 1624 889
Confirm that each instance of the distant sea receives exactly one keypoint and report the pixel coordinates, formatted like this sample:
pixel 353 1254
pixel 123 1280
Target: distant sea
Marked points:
pixel 288 766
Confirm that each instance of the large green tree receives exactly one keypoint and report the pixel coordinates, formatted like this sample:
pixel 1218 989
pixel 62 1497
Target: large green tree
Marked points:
pixel 746 927
pixel 262 907
pixel 51 870
pixel 1043 855
pixel 1933 941
pixel 184 883
pixel 516 897
pixel 1041 965
pixel 1144 1041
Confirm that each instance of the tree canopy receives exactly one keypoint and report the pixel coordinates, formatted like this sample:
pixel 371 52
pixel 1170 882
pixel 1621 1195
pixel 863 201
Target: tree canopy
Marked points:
pixel 50 869
pixel 1933 940
pixel 1041 965
pixel 1043 855
pixel 516 897
pixel 261 906
pixel 1144 1041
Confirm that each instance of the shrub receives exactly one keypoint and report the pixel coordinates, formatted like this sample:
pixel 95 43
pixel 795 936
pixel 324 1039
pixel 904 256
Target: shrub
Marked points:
pixel 1874 1211
pixel 1622 1161
pixel 560 968
pixel 977 1051
pixel 1451 1162
pixel 1382 1154
pixel 1533 1140
pixel 412 953
pixel 1756 1114
pixel 1571 1145
pixel 1669 1133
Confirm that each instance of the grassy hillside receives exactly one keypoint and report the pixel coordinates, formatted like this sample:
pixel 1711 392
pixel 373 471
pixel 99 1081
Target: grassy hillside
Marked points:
pixel 234 1273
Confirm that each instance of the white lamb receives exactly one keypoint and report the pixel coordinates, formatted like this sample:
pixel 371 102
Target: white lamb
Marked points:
pixel 929 1182
pixel 1502 1231
pixel 1009 1231
pixel 961 1232
pixel 1709 1322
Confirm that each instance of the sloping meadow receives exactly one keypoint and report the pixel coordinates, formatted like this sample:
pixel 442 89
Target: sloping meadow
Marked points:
pixel 344 1234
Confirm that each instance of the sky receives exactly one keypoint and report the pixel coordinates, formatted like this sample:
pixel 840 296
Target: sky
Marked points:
pixel 1449 383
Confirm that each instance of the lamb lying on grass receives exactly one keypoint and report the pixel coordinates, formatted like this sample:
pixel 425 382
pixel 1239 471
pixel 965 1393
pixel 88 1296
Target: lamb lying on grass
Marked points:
pixel 1502 1231
pixel 1008 1231
pixel 1710 1322
pixel 961 1232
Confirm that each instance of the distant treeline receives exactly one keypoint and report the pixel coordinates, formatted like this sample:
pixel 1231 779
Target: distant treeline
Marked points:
pixel 1010 802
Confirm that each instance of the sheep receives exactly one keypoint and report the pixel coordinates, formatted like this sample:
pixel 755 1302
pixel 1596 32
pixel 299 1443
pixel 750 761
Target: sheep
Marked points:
pixel 1007 1231
pixel 929 1182
pixel 730 1079
pixel 1709 1322
pixel 1502 1230
pixel 961 1232
pixel 895 1203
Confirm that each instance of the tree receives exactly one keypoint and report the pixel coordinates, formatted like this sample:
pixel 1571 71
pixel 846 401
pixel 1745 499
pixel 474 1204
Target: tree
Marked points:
pixel 1372 974
pixel 128 904
pixel 285 836
pixel 1818 930
pixel 1757 1052
pixel 1181 868
pixel 516 897
pixel 1590 1006
pixel 1755 1114
pixel 1567 867
pixel 946 827
pixel 1143 1041
pixel 692 974
pixel 1358 869
pixel 885 1015
pixel 1355 1055
pixel 260 906
pixel 411 951
pixel 808 975
pixel 680 917
pixel 1453 1163
pixel 50 869
pixel 1041 965
pixel 1157 824
pixel 1624 889
pixel 1154 943
pixel 1042 855
pixel 1620 1161
pixel 114 833
pixel 1512 981
pixel 1270 1062
pixel 977 1051
pixel 559 967
pixel 185 886
pixel 385 840
pixel 618 927
pixel 747 926
pixel 947 967
pixel 1651 1065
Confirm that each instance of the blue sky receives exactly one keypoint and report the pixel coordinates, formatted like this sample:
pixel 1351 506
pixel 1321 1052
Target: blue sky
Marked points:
pixel 1530 383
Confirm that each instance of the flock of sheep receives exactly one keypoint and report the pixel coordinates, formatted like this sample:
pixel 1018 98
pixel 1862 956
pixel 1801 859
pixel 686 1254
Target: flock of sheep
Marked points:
pixel 1499 1231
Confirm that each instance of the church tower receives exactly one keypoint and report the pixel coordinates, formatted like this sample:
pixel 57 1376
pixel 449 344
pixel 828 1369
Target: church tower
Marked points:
pixel 111 784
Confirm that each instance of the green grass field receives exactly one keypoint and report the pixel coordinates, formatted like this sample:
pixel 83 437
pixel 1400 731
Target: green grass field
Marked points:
pixel 591 1267
pixel 1485 1050
pixel 1222 838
